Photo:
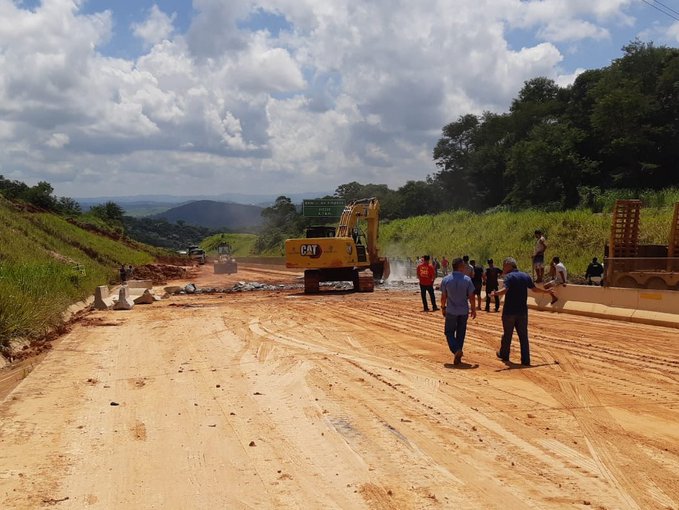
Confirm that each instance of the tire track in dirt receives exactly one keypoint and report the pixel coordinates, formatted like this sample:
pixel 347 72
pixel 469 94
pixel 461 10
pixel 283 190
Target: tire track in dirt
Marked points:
pixel 373 360
pixel 604 437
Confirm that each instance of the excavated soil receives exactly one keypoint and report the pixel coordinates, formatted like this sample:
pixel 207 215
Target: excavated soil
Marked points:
pixel 274 399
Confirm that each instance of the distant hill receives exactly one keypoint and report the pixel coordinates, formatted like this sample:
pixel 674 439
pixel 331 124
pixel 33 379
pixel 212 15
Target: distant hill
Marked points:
pixel 215 215
pixel 162 200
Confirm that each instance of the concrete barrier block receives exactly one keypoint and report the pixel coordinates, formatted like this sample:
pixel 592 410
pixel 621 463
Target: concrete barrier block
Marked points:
pixel 140 284
pixel 102 300
pixel 124 301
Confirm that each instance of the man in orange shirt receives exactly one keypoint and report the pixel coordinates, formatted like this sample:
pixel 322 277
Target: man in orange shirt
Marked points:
pixel 427 274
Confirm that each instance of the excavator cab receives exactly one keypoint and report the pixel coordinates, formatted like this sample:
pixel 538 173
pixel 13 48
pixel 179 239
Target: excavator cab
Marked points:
pixel 320 231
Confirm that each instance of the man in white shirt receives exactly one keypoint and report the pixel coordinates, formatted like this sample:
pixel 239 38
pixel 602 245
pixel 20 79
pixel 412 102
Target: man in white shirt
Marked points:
pixel 559 275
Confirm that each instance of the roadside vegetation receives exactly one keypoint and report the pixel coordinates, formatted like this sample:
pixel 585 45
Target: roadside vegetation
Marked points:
pixel 47 263
pixel 240 245
pixel 575 236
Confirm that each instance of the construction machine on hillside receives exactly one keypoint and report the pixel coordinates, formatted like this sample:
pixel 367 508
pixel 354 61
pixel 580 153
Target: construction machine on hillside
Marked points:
pixel 226 263
pixel 196 254
pixel 634 265
pixel 346 253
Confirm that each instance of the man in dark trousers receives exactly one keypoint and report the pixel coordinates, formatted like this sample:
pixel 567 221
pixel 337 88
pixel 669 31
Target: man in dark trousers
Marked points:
pixel 515 309
pixel 426 274
pixel 490 278
pixel 477 280
pixel 457 295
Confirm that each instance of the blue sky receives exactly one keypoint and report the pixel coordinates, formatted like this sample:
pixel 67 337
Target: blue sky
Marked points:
pixel 211 96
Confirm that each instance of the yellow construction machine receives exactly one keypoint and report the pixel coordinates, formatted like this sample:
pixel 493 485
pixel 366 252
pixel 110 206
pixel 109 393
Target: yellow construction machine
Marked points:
pixel 643 266
pixel 346 253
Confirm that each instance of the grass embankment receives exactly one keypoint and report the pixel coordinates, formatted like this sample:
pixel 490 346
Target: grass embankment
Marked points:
pixel 242 245
pixel 575 236
pixel 47 263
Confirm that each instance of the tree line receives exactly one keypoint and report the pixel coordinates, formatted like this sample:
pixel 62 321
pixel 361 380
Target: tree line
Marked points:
pixel 559 147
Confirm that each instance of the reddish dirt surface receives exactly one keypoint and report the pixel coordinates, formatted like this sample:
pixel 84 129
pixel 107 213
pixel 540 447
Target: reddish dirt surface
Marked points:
pixel 274 399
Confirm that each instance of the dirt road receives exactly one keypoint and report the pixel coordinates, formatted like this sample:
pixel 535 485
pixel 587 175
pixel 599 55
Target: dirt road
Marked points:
pixel 274 399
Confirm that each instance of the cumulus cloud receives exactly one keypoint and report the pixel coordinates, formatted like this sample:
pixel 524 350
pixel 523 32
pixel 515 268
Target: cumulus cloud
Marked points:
pixel 673 32
pixel 57 140
pixel 157 27
pixel 348 91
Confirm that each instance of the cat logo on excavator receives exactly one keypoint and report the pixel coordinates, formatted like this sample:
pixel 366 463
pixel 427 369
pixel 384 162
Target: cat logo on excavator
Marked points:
pixel 310 250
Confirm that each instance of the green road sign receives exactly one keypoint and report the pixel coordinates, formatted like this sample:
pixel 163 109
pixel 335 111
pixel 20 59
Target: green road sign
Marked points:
pixel 323 208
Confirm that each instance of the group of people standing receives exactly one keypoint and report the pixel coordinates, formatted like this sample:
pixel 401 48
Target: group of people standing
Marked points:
pixel 480 277
pixel 125 273
pixel 461 296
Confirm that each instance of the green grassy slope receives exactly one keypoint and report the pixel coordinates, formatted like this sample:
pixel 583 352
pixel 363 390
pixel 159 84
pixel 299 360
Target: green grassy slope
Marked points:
pixel 47 263
pixel 575 236
pixel 242 245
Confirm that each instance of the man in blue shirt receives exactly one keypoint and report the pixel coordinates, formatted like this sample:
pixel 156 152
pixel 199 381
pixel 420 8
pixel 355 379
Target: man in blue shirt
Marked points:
pixel 515 309
pixel 457 293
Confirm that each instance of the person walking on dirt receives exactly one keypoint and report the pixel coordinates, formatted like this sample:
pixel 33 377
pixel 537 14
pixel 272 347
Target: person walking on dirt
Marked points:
pixel 123 274
pixel 457 297
pixel 515 309
pixel 426 274
pixel 477 280
pixel 539 256
pixel 490 278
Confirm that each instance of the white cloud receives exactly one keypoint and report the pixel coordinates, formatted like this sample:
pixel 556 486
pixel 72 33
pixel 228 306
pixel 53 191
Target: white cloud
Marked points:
pixel 353 91
pixel 673 32
pixel 564 80
pixel 58 140
pixel 156 28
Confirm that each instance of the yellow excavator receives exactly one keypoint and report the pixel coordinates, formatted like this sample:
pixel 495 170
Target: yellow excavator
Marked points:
pixel 346 253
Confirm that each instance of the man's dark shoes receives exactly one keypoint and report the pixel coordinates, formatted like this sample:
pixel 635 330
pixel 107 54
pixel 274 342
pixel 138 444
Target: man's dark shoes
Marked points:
pixel 435 309
pixel 500 356
pixel 458 358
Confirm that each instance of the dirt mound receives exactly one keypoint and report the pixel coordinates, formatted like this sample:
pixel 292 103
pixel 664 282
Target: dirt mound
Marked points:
pixel 160 273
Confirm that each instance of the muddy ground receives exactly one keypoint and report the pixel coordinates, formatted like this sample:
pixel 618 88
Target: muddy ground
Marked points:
pixel 273 399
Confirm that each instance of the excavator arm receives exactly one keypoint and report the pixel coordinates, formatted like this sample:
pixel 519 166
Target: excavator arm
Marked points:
pixel 367 209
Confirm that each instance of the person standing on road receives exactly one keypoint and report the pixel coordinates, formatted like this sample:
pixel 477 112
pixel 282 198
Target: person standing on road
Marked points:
pixel 444 265
pixel 515 309
pixel 426 274
pixel 123 274
pixel 539 256
pixel 490 278
pixel 457 296
pixel 477 280
pixel 468 269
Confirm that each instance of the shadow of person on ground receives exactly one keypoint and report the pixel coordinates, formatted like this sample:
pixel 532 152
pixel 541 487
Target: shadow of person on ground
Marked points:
pixel 461 366
pixel 510 365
